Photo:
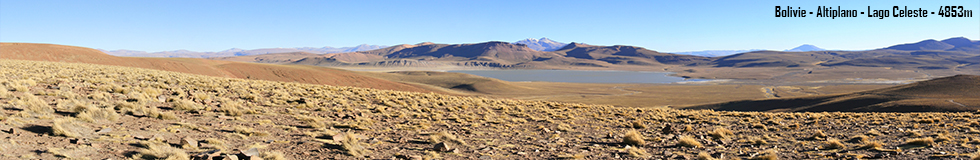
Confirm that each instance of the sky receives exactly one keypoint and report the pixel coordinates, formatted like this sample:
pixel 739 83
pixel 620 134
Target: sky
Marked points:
pixel 667 26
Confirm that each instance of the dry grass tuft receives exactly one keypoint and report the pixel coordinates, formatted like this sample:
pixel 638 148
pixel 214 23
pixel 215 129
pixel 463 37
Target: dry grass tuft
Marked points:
pixel 637 152
pixel 871 145
pixel 351 143
pixel 98 115
pixel 859 139
pixel 272 156
pixel 249 131
pixel 721 133
pixel 819 135
pixel 445 137
pixel 833 144
pixel 759 141
pixel 69 127
pixel 35 106
pixel 564 127
pixel 639 125
pixel 705 156
pixel 685 141
pixel 928 141
pixel 634 138
pixel 873 132
pixel 767 156
pixel 186 105
pixel 161 151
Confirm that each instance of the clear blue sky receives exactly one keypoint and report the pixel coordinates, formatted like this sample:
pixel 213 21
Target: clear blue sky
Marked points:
pixel 670 26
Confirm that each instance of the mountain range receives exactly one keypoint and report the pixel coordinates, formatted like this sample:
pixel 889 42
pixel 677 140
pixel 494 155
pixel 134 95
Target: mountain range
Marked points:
pixel 543 44
pixel 928 54
pixel 719 53
pixel 239 52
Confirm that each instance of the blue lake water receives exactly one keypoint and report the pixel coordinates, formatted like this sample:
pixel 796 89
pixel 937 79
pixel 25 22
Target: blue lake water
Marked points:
pixel 578 76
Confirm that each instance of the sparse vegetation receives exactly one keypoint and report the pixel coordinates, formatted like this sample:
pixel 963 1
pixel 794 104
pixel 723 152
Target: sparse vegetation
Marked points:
pixel 721 133
pixel 637 152
pixel 634 138
pixel 685 141
pixel 142 114
pixel 834 144
pixel 928 141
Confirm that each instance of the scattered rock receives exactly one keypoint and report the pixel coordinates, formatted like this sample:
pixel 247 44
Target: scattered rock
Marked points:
pixel 229 157
pixel 442 147
pixel 667 129
pixel 104 131
pixel 188 141
pixel 251 152
pixel 76 141
pixel 208 155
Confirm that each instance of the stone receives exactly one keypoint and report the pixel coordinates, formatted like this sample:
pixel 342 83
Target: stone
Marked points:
pixel 104 131
pixel 229 157
pixel 251 152
pixel 442 147
pixel 188 141
pixel 667 129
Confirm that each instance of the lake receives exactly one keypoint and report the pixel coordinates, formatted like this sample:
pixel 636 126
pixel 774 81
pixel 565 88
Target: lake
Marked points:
pixel 576 76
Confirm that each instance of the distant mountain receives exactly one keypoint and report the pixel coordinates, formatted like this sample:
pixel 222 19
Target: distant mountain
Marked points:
pixel 927 54
pixel 543 44
pixel 923 45
pixel 240 52
pixel 805 48
pixel 716 53
pixel 487 54
pixel 961 58
pixel 627 55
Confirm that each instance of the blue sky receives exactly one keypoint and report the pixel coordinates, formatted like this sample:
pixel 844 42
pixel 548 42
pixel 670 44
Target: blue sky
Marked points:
pixel 670 26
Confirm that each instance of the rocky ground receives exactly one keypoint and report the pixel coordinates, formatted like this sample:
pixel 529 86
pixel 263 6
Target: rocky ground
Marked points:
pixel 80 111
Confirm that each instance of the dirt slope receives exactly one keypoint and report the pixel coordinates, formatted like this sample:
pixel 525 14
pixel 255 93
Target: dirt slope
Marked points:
pixel 283 73
pixel 955 93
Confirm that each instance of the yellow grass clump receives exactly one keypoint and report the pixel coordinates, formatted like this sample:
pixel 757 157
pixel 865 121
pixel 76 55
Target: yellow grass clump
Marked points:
pixel 928 141
pixel 634 138
pixel 69 127
pixel 721 133
pixel 685 141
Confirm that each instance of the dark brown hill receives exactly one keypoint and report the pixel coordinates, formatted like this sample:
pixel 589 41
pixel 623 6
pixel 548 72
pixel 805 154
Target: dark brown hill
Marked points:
pixel 629 55
pixel 955 93
pixel 283 73
pixel 492 50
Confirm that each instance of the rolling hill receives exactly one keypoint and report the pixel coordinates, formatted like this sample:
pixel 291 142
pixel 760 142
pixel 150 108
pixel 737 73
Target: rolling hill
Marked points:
pixel 948 94
pixel 239 52
pixel 488 54
pixel 283 73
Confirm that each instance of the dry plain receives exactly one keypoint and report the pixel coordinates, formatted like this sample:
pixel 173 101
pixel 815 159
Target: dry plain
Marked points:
pixel 69 110
pixel 59 110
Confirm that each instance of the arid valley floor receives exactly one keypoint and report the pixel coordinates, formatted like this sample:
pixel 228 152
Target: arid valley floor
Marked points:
pixel 63 102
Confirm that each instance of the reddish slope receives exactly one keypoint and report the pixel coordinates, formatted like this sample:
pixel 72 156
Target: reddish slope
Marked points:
pixel 284 73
